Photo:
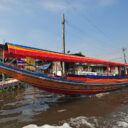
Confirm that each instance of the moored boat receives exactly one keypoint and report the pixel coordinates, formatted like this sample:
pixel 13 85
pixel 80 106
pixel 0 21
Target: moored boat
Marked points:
pixel 8 83
pixel 59 85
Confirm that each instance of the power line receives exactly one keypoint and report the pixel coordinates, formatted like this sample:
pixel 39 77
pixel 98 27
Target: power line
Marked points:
pixel 93 25
pixel 82 32
pixel 89 21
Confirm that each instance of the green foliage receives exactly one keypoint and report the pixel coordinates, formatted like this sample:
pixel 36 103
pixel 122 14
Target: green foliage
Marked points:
pixel 8 89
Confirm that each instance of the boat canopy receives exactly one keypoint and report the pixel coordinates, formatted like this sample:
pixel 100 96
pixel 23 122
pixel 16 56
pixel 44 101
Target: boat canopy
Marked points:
pixel 19 51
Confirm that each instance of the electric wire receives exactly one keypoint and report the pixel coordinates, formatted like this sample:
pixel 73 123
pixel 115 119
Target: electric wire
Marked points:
pixel 93 25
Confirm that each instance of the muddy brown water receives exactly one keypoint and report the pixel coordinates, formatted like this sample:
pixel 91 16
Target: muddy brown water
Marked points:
pixel 33 106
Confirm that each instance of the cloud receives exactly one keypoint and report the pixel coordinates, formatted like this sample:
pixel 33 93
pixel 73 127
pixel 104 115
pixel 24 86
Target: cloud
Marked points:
pixel 6 5
pixel 64 5
pixel 55 5
pixel 104 3
pixel 9 1
pixel 3 7
pixel 58 5
pixel 17 6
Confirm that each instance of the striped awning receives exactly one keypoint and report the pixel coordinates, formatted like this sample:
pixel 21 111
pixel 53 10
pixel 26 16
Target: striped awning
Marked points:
pixel 19 51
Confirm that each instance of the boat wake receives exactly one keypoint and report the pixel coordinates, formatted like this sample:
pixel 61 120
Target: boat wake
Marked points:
pixel 119 120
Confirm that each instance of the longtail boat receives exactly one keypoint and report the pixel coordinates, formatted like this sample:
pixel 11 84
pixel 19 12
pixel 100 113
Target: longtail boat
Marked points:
pixel 59 85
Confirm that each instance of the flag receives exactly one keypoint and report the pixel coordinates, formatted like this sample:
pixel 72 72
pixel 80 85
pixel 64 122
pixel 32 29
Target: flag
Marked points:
pixel 68 51
pixel 20 63
pixel 45 66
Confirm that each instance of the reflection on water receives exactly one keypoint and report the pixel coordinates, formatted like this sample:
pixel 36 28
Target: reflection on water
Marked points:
pixel 23 105
pixel 34 106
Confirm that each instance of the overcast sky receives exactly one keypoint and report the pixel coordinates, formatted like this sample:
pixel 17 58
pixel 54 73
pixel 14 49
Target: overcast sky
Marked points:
pixel 97 28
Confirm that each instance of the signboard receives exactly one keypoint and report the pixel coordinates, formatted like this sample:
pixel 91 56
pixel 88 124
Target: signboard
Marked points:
pixel 30 61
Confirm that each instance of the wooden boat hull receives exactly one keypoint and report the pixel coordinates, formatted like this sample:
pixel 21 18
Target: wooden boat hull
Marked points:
pixel 57 85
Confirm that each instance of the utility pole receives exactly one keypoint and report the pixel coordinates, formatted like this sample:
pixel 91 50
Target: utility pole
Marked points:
pixel 124 56
pixel 63 33
pixel 63 43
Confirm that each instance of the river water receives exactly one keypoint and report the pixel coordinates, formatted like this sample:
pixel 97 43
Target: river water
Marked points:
pixel 33 108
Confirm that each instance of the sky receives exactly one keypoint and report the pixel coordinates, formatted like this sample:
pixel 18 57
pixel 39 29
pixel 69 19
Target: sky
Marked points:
pixel 97 28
